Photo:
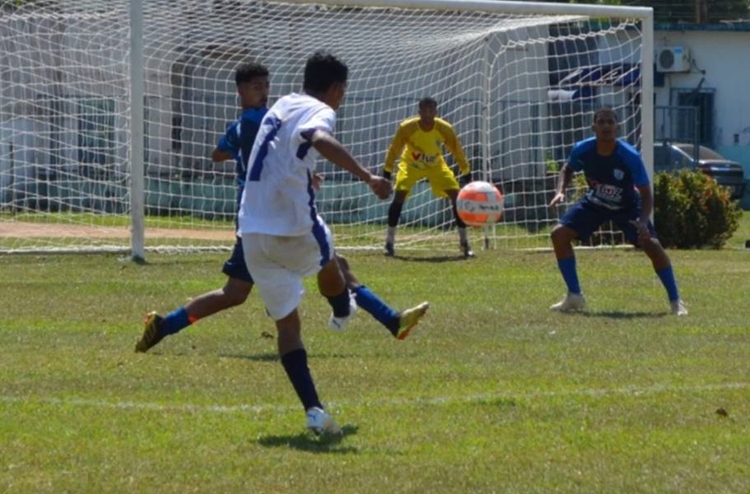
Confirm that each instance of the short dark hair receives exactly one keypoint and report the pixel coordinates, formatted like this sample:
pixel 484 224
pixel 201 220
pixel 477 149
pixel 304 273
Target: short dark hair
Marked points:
pixel 427 101
pixel 322 71
pixel 249 71
pixel 605 109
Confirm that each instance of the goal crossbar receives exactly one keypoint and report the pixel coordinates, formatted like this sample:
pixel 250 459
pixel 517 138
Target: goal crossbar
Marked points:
pixel 110 109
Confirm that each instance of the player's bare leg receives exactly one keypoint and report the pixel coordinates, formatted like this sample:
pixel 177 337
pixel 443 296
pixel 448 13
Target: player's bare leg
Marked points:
pixel 562 241
pixel 156 327
pixel 232 294
pixel 399 324
pixel 394 215
pixel 463 237
pixel 663 267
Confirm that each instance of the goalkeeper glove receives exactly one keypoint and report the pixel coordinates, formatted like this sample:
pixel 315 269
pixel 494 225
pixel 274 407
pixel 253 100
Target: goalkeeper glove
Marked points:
pixel 386 175
pixel 464 179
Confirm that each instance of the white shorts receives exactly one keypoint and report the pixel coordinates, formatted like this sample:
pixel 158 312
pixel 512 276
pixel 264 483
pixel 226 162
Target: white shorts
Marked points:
pixel 278 264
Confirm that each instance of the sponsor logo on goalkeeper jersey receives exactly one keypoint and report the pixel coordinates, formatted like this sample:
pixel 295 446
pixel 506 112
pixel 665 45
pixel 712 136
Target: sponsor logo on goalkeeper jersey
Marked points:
pixel 422 159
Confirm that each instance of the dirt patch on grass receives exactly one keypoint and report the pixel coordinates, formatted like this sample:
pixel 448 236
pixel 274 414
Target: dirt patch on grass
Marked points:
pixel 43 230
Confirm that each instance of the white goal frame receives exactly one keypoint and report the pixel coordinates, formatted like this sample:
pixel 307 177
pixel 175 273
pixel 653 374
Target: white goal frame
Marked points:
pixel 109 110
pixel 645 14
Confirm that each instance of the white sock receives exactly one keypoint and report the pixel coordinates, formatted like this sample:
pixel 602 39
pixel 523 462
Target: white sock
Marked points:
pixel 390 235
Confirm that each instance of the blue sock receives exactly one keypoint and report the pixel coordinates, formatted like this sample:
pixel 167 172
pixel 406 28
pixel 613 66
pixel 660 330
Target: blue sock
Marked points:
pixel 379 309
pixel 340 304
pixel 175 321
pixel 295 365
pixel 569 274
pixel 666 275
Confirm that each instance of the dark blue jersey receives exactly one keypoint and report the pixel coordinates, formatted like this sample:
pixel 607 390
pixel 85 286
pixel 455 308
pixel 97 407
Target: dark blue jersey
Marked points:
pixel 239 138
pixel 612 179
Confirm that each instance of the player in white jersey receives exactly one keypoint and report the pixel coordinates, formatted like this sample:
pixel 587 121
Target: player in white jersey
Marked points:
pixel 283 237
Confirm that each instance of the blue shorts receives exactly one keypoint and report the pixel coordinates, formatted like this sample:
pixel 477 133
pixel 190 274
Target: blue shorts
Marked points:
pixel 235 266
pixel 585 219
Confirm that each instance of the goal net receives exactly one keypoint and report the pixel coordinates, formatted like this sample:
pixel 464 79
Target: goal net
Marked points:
pixel 518 81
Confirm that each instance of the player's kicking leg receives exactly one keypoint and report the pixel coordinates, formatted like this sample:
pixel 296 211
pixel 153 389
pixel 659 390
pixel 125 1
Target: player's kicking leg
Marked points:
pixel 399 324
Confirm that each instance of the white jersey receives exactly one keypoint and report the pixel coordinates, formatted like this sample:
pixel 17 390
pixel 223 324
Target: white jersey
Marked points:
pixel 279 197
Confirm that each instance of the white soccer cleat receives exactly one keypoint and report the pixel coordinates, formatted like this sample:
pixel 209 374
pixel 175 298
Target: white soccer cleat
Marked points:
pixel 678 307
pixel 320 423
pixel 339 323
pixel 572 302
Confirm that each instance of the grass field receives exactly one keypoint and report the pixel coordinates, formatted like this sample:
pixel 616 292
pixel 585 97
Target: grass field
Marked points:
pixel 492 393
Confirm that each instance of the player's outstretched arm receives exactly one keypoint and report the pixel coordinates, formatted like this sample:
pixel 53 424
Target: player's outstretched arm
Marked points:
pixel 228 147
pixel 453 143
pixel 566 174
pixel 647 206
pixel 335 152
pixel 397 145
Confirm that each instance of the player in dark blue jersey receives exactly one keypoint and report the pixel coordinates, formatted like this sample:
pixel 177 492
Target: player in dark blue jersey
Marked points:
pixel 619 191
pixel 253 86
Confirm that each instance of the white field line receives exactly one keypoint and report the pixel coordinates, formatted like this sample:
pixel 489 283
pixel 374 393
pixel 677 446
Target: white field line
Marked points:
pixel 440 400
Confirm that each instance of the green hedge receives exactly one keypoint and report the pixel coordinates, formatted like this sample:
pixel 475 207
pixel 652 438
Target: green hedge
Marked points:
pixel 692 211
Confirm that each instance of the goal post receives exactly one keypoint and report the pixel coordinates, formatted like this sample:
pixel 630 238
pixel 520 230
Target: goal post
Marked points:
pixel 109 110
pixel 137 182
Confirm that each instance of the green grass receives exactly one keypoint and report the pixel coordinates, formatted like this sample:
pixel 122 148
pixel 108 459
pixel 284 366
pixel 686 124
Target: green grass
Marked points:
pixel 492 393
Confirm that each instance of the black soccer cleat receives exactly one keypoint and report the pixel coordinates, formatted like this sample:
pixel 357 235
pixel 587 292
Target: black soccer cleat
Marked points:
pixel 388 250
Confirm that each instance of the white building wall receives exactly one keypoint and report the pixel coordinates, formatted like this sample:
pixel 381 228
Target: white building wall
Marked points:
pixel 721 61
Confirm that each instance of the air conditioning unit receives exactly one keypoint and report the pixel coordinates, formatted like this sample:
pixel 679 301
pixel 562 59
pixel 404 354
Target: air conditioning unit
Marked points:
pixel 673 59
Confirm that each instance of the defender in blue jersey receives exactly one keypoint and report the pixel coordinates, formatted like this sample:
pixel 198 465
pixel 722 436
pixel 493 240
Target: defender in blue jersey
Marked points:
pixel 252 80
pixel 619 191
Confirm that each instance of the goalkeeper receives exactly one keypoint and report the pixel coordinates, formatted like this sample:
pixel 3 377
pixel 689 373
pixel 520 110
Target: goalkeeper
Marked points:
pixel 253 90
pixel 421 139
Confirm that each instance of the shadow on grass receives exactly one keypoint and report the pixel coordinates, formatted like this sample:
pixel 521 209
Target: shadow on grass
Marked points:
pixel 274 357
pixel 435 260
pixel 307 442
pixel 616 314
pixel 257 357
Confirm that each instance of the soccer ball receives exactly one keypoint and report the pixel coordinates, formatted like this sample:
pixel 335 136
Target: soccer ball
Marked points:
pixel 480 204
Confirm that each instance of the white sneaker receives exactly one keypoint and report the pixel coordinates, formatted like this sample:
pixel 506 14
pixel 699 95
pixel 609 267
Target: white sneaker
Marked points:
pixel 678 307
pixel 339 323
pixel 571 302
pixel 319 422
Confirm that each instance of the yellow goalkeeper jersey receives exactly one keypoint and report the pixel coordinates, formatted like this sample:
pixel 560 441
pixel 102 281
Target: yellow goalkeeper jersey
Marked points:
pixel 423 149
